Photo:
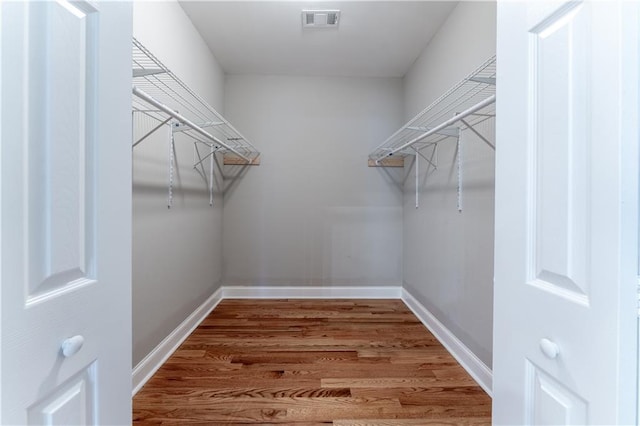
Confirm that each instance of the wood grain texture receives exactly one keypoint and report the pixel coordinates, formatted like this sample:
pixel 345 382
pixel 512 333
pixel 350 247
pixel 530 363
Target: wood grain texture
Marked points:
pixel 387 162
pixel 234 160
pixel 311 362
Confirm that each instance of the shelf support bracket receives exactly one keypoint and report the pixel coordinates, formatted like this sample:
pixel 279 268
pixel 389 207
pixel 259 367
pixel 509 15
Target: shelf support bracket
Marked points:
pixel 459 153
pixel 478 134
pixel 197 156
pixel 429 160
pixel 150 132
pixel 201 170
pixel 201 159
pixel 171 160
pixel 211 158
pixel 434 153
pixel 417 167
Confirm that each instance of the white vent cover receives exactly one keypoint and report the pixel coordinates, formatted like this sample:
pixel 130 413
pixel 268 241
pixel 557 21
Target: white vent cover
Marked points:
pixel 320 18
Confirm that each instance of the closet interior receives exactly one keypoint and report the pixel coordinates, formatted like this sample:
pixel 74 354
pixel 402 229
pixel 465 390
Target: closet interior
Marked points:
pixel 313 220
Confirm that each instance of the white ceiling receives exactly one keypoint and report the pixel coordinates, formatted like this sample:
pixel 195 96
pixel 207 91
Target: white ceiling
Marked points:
pixel 374 38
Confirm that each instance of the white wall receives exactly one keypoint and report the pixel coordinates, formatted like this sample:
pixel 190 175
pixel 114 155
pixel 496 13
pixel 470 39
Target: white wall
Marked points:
pixel 177 252
pixel 448 256
pixel 313 213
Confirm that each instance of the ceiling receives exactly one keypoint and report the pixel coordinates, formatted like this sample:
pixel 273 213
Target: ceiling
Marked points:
pixel 374 38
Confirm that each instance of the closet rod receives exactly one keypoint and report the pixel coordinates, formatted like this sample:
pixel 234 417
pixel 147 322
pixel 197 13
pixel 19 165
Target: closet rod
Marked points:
pixel 142 95
pixel 491 99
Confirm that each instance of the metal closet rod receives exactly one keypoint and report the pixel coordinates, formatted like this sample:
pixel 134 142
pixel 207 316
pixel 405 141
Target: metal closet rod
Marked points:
pixel 491 99
pixel 144 96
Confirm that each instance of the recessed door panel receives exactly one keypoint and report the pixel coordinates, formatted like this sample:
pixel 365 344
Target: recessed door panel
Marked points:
pixel 551 402
pixel 60 146
pixel 72 403
pixel 560 145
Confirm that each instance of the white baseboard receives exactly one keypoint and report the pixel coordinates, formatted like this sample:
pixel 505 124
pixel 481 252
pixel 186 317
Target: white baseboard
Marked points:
pixel 312 292
pixel 152 362
pixel 467 359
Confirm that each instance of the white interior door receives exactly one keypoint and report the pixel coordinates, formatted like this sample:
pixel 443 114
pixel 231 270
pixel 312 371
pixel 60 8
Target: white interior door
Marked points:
pixel 566 213
pixel 65 212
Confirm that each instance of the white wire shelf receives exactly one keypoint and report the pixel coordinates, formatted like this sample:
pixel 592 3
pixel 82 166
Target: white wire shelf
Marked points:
pixel 465 105
pixel 161 95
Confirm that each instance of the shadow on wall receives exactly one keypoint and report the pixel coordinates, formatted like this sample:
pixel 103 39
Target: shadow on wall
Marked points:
pixel 393 175
pixel 233 177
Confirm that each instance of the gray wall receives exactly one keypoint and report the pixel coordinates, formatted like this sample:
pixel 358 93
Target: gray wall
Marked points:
pixel 448 256
pixel 313 213
pixel 177 252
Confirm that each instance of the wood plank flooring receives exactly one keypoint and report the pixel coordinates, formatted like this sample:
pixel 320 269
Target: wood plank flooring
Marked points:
pixel 311 362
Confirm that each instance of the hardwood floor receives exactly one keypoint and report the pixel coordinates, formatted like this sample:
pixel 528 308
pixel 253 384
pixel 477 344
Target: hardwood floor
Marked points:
pixel 311 362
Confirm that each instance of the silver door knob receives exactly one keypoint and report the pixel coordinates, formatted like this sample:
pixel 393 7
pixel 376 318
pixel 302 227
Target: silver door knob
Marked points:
pixel 72 345
pixel 549 349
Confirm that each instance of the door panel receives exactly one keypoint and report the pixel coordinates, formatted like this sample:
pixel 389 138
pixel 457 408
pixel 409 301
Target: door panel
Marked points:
pixel 565 274
pixel 559 146
pixel 60 148
pixel 73 403
pixel 65 212
pixel 551 402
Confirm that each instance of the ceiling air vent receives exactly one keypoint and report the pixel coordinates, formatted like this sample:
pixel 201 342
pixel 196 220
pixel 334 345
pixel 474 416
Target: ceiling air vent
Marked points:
pixel 320 18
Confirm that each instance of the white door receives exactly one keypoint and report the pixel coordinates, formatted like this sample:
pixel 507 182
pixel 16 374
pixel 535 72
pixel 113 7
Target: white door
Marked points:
pixel 65 212
pixel 566 213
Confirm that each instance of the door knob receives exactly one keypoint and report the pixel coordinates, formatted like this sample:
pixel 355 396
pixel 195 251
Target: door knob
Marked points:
pixel 549 349
pixel 72 345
